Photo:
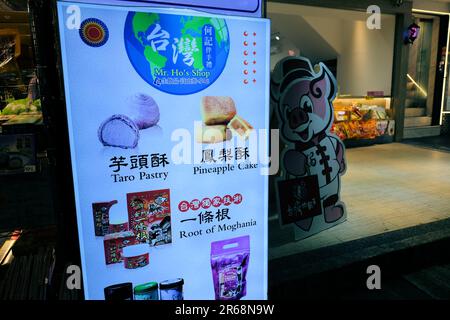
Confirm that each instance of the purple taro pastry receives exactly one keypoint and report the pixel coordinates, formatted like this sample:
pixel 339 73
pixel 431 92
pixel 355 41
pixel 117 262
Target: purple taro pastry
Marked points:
pixel 119 131
pixel 229 264
pixel 143 110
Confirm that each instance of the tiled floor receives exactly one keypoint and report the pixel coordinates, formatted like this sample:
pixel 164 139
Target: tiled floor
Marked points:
pixel 437 142
pixel 386 188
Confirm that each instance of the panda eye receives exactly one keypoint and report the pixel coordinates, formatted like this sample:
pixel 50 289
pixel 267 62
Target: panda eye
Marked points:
pixel 306 103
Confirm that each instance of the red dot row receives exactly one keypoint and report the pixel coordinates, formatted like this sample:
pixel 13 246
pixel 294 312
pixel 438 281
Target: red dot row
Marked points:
pixel 246 62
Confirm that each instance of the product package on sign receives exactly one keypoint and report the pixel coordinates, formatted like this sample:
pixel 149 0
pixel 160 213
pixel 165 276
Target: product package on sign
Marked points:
pixel 229 263
pixel 114 244
pixel 149 216
pixel 101 218
pixel 168 117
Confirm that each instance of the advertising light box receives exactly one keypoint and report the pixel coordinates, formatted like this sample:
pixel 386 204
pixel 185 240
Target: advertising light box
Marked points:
pixel 246 8
pixel 167 112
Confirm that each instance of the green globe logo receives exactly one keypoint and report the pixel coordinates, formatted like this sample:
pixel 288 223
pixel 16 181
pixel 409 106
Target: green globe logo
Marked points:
pixel 177 54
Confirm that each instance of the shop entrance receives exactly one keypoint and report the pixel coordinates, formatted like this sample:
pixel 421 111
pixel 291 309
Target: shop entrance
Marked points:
pixel 362 60
pixel 387 187
pixel 425 77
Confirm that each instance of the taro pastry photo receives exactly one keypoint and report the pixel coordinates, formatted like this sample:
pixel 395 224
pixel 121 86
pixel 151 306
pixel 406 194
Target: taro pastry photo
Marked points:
pixel 136 256
pixel 217 110
pixel 229 264
pixel 171 289
pixel 143 110
pixel 101 217
pixel 120 291
pixel 119 131
pixel 146 291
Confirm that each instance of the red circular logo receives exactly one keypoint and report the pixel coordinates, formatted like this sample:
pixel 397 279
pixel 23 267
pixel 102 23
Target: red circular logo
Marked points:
pixel 237 198
pixel 227 200
pixel 217 201
pixel 94 32
pixel 195 204
pixel 206 203
pixel 183 206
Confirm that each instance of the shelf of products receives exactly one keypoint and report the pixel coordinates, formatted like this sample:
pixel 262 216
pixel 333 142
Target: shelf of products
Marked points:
pixel 362 121
pixel 20 104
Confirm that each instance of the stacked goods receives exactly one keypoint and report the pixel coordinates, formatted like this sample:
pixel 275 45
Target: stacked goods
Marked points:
pixel 360 121
pixel 217 110
pixel 16 107
pixel 240 127
pixel 213 134
pixel 220 119
pixel 23 111
pixel 148 223
pixel 114 244
pixel 356 129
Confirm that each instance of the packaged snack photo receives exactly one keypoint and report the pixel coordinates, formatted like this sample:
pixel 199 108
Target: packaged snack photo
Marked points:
pixel 149 216
pixel 229 264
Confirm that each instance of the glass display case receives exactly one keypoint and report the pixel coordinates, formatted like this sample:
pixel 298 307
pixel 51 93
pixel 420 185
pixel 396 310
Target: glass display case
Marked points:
pixel 20 105
pixel 359 121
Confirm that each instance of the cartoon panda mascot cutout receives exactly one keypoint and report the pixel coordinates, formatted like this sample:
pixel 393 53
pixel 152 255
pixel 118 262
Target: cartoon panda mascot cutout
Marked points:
pixel 314 159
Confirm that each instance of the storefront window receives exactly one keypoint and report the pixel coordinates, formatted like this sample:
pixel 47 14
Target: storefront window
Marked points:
pixel 20 104
pixel 19 94
pixel 361 58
